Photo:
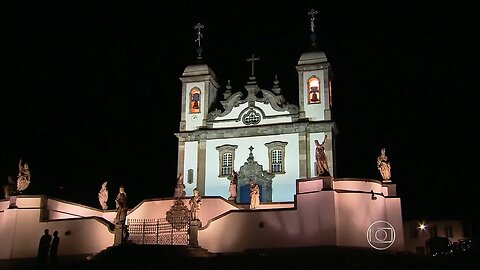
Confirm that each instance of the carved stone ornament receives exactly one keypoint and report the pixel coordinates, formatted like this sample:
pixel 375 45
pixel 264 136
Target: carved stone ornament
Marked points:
pixel 252 170
pixel 178 215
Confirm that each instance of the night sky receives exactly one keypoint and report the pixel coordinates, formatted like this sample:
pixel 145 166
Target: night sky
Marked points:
pixel 91 91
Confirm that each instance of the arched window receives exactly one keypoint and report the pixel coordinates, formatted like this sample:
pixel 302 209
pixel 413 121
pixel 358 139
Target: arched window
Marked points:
pixel 195 95
pixel 313 90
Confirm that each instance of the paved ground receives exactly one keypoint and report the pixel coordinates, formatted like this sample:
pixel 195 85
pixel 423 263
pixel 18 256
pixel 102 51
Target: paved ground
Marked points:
pixel 162 257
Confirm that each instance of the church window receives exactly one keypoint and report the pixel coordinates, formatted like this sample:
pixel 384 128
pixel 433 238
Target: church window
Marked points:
pixel 276 156
pixel 251 117
pixel 195 101
pixel 226 155
pixel 277 161
pixel 313 90
pixel 227 163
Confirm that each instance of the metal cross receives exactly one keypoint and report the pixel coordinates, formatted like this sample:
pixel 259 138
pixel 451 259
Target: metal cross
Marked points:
pixel 312 13
pixel 199 27
pixel 253 59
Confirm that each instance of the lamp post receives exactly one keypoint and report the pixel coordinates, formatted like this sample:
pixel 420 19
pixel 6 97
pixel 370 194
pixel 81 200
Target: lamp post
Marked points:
pixel 427 236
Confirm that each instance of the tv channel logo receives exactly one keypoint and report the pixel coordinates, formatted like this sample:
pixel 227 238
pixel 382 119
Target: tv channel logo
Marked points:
pixel 380 235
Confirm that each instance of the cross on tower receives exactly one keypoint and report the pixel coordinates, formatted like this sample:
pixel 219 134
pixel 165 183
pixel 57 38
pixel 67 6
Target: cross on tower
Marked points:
pixel 253 59
pixel 312 13
pixel 199 27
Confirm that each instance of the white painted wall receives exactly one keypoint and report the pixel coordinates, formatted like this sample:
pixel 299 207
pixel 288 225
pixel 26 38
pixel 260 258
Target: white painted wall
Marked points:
pixel 190 162
pixel 320 218
pixel 283 186
pixel 21 229
pixel 232 119
pixel 331 217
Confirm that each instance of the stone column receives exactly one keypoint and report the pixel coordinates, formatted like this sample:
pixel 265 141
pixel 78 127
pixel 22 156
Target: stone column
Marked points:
pixel 13 202
pixel 201 164
pixel 193 232
pixel 304 167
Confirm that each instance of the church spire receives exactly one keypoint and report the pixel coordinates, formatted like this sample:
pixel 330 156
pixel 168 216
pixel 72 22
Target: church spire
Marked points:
pixel 313 36
pixel 199 28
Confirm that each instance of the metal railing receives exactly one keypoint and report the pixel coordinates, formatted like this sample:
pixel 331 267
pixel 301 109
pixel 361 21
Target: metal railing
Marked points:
pixel 158 231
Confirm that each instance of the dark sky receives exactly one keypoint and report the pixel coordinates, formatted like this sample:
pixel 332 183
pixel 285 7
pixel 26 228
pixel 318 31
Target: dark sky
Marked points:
pixel 90 90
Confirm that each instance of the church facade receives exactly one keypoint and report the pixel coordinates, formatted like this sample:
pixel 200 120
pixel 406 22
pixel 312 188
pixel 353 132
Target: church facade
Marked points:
pixel 257 133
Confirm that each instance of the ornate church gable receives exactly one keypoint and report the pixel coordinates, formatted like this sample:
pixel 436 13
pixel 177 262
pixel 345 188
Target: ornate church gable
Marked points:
pixel 258 107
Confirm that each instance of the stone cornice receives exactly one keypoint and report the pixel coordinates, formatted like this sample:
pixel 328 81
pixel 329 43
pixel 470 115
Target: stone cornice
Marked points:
pixel 262 130
pixel 200 78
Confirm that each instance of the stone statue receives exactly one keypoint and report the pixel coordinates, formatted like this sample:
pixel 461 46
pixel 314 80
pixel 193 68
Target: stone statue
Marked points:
pixel 23 178
pixel 321 163
pixel 122 206
pixel 103 196
pixel 254 195
pixel 179 188
pixel 195 203
pixel 232 189
pixel 383 165
pixel 9 189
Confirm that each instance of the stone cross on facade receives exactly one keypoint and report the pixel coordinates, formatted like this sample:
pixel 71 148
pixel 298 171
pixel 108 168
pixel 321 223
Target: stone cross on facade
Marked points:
pixel 253 59
pixel 199 28
pixel 312 13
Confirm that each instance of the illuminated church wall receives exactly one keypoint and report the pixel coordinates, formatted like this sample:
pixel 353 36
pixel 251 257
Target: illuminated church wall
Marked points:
pixel 283 186
pixel 190 163
pixel 21 229
pixel 326 217
pixel 232 119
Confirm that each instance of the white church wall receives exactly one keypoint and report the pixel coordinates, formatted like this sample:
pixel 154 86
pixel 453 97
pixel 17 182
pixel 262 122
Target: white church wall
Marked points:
pixel 155 209
pixel 357 184
pixel 283 187
pixel 61 209
pixel 21 233
pixel 28 201
pixel 231 119
pixel 355 213
pixel 4 204
pixel 194 120
pixel 190 162
pixel 311 224
pixel 314 111
pixel 394 217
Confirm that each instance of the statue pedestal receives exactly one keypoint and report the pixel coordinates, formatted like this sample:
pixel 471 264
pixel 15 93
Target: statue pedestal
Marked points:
pixel 392 188
pixel 13 202
pixel 120 231
pixel 193 232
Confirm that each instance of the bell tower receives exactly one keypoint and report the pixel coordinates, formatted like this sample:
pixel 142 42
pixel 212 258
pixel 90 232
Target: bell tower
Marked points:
pixel 314 81
pixel 199 90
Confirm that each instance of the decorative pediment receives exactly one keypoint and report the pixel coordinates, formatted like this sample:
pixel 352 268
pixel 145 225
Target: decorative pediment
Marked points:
pixel 254 94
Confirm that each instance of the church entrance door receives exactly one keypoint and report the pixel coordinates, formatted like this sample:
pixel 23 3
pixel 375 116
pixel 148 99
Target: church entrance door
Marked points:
pixel 245 194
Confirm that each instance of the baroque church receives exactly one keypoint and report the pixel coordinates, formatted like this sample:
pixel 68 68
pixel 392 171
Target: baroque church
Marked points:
pixel 256 135
pixel 256 132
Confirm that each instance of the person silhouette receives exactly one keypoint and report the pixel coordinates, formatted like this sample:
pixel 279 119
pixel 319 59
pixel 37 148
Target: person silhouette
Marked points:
pixel 54 249
pixel 43 247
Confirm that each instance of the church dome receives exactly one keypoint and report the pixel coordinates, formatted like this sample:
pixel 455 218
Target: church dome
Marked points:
pixel 312 57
